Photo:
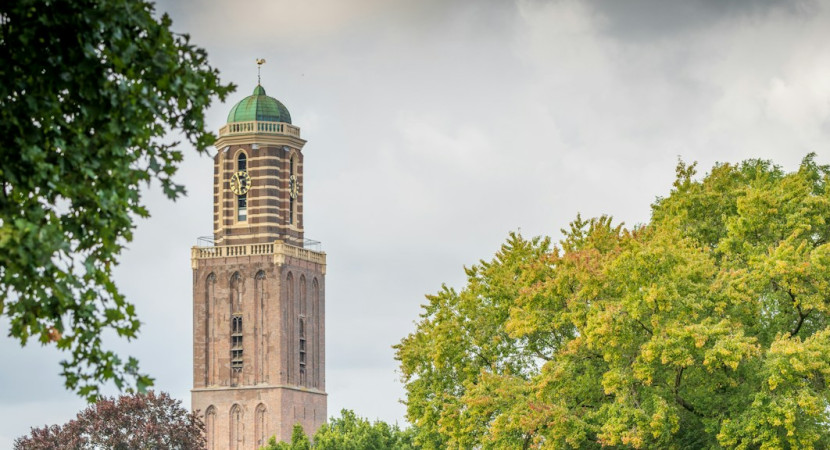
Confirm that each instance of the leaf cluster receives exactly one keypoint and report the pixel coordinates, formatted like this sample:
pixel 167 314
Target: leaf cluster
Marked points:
pixel 348 432
pixel 704 328
pixel 92 93
pixel 299 441
pixel 138 421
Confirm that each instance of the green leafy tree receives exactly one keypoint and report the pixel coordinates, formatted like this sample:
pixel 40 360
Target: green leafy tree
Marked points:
pixel 299 441
pixel 461 336
pixel 91 92
pixel 704 328
pixel 349 432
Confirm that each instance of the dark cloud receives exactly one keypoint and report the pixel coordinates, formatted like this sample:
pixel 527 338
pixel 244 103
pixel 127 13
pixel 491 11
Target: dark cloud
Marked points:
pixel 659 19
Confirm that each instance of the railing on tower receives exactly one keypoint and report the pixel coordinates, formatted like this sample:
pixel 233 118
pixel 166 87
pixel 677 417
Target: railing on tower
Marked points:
pixel 205 249
pixel 259 127
pixel 205 241
pixel 311 244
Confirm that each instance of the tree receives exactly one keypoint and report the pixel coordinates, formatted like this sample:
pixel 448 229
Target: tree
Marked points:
pixel 463 334
pixel 704 328
pixel 299 441
pixel 91 92
pixel 138 421
pixel 349 432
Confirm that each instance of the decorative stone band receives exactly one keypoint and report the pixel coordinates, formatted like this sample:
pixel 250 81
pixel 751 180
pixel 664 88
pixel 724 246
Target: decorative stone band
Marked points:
pixel 279 249
pixel 257 127
pixel 261 387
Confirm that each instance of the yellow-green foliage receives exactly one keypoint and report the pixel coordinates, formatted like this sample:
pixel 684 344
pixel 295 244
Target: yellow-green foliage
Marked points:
pixel 704 328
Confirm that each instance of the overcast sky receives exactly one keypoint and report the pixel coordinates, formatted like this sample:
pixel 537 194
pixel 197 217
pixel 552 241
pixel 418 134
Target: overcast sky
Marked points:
pixel 436 127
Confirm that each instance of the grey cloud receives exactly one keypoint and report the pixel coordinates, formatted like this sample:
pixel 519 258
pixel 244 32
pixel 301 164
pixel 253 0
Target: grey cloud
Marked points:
pixel 434 128
pixel 655 19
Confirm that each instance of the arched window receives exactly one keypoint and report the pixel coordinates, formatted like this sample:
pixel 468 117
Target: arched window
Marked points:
pixel 242 200
pixel 316 357
pixel 236 329
pixel 236 291
pixel 210 427
pixel 210 306
pixel 292 189
pixel 302 331
pixel 260 346
pixel 236 430
pixel 261 425
pixel 242 162
pixel 288 320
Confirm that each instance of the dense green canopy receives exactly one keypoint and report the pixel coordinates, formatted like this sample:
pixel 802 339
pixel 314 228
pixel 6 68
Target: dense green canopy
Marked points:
pixel 348 432
pixel 92 94
pixel 707 327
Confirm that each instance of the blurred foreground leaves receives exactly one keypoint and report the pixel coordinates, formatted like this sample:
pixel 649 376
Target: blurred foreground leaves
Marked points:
pixel 92 94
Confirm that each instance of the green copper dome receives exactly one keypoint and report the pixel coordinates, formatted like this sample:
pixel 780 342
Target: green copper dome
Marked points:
pixel 259 106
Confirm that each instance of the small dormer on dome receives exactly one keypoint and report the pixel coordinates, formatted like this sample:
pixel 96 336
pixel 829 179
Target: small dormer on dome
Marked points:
pixel 259 107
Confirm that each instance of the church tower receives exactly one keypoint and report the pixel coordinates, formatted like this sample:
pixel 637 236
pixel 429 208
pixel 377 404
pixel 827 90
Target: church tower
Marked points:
pixel 258 288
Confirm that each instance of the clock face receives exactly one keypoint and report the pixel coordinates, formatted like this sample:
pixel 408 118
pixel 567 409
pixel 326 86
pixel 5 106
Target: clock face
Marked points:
pixel 293 186
pixel 240 183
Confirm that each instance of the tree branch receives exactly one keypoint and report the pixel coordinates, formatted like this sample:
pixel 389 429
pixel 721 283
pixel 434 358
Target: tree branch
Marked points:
pixel 801 314
pixel 644 327
pixel 538 353
pixel 801 317
pixel 483 358
pixel 527 441
pixel 686 405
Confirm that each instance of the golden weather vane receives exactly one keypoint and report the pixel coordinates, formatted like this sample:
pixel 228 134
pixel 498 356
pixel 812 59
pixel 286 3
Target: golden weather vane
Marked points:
pixel 259 63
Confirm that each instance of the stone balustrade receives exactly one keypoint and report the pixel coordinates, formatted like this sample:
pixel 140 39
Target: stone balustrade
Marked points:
pixel 279 249
pixel 259 127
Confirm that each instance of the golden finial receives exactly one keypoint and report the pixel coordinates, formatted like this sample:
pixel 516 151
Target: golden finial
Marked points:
pixel 259 63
